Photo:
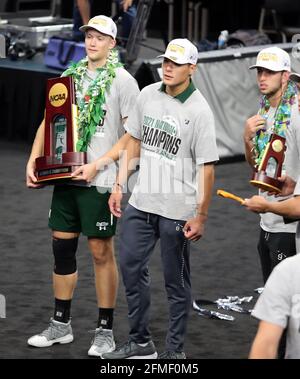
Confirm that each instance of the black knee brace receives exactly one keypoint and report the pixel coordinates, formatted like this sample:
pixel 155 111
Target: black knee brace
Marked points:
pixel 64 251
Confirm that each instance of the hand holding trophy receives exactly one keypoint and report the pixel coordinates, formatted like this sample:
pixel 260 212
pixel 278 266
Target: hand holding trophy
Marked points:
pixel 266 174
pixel 61 134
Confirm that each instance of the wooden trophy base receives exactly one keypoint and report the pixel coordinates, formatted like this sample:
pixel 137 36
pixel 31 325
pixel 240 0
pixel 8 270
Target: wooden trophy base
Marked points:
pixel 49 171
pixel 264 182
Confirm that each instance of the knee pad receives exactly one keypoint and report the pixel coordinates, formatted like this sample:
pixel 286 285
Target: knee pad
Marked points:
pixel 64 251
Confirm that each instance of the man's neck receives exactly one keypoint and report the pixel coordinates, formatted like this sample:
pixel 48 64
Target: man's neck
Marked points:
pixel 177 90
pixel 276 97
pixel 94 65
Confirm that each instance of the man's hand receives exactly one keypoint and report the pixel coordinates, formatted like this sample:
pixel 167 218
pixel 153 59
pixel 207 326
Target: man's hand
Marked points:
pixel 252 125
pixel 257 204
pixel 114 201
pixel 31 180
pixel 86 172
pixel 194 229
pixel 288 187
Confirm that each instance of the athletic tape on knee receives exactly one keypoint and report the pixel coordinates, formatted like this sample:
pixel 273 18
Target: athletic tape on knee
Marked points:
pixel 64 251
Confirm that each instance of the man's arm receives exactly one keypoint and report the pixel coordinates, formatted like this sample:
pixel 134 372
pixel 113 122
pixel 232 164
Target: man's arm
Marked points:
pixel 289 208
pixel 265 344
pixel 36 151
pixel 194 228
pixel 126 4
pixel 127 166
pixel 85 10
pixel 88 171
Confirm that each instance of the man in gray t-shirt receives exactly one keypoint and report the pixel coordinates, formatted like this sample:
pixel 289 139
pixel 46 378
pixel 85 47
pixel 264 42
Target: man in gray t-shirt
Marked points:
pixel 105 93
pixel 171 129
pixel 278 308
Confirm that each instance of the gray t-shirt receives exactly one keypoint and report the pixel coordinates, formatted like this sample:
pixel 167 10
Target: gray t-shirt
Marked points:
pixel 279 303
pixel 177 136
pixel 119 100
pixel 269 221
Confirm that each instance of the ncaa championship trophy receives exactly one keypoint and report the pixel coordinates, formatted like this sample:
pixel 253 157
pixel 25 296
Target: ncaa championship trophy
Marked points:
pixel 60 157
pixel 269 170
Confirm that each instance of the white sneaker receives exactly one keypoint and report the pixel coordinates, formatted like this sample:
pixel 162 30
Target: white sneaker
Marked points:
pixel 57 332
pixel 103 342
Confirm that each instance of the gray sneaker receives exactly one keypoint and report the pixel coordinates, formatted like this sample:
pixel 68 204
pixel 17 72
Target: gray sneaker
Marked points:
pixel 57 332
pixel 172 355
pixel 103 342
pixel 131 350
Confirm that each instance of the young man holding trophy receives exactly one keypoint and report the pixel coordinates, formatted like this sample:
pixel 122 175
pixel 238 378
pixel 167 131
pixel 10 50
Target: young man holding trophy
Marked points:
pixel 104 93
pixel 278 306
pixel 272 142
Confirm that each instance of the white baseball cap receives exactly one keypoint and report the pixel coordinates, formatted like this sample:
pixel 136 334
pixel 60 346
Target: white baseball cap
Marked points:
pixel 274 59
pixel 295 77
pixel 181 51
pixel 102 24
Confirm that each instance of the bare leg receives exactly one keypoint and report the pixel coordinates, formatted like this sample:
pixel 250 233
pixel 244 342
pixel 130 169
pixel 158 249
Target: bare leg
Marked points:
pixel 106 272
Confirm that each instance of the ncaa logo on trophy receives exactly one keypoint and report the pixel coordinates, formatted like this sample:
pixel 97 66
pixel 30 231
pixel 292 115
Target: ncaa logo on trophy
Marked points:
pixel 60 157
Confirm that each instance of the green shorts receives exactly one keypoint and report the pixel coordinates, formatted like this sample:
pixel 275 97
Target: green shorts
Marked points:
pixel 81 209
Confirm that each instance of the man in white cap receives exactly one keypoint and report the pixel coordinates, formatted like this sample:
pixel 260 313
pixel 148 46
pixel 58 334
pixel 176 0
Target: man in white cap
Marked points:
pixel 172 130
pixel 105 93
pixel 278 114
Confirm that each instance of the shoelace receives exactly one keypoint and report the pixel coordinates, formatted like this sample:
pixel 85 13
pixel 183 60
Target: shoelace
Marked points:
pixel 126 346
pixel 101 338
pixel 49 331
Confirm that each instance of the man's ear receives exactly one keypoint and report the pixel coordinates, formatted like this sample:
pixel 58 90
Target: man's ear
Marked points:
pixel 192 69
pixel 285 77
pixel 112 43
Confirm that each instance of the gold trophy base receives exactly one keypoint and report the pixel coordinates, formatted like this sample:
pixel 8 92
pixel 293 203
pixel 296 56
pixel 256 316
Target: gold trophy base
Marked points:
pixel 265 183
pixel 49 171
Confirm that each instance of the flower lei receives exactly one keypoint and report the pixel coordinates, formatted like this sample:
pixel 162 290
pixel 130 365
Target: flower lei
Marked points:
pixel 281 122
pixel 91 104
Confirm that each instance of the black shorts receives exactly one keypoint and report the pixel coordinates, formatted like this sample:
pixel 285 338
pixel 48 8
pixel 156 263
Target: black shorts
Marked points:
pixel 82 209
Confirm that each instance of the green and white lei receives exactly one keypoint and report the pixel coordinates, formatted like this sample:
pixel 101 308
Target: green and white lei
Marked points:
pixel 91 104
pixel 282 120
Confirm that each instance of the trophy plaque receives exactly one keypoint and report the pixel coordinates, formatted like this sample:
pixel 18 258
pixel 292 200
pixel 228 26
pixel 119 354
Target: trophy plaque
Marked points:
pixel 266 175
pixel 60 157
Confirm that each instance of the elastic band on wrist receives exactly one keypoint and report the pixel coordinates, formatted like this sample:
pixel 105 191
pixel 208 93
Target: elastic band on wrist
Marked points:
pixel 119 185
